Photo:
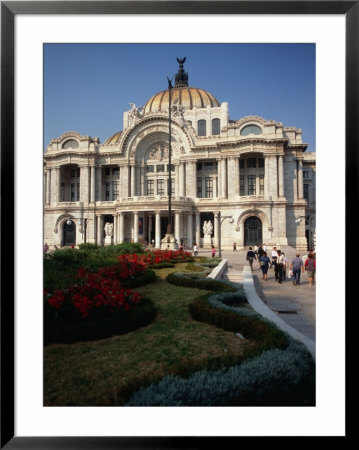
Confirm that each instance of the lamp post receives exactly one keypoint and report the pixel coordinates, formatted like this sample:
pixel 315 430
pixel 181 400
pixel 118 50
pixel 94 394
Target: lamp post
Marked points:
pixel 169 225
pixel 220 221
pixel 83 223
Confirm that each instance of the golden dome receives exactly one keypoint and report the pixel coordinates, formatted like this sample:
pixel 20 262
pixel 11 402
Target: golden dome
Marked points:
pixel 115 139
pixel 188 97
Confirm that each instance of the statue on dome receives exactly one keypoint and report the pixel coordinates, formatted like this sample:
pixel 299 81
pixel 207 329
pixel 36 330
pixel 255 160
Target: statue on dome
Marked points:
pixel 135 113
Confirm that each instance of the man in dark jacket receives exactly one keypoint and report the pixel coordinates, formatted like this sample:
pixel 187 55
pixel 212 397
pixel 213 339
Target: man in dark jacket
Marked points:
pixel 250 257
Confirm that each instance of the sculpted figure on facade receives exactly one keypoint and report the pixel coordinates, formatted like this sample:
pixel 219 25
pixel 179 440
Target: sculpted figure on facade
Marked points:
pixel 108 229
pixel 178 114
pixel 135 113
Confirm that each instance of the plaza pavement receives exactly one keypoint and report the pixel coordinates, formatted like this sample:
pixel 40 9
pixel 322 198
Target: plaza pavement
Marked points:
pixel 295 305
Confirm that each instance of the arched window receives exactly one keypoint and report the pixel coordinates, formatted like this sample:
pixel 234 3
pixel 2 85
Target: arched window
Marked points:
pixel 202 128
pixel 71 143
pixel 251 129
pixel 216 126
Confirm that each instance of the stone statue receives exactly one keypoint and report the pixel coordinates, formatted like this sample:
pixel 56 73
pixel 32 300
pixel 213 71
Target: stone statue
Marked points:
pixel 109 229
pixel 207 228
pixel 135 113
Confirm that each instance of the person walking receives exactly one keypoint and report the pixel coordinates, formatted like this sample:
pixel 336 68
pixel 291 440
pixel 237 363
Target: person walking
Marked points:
pixel 310 266
pixel 213 251
pixel 260 251
pixel 285 265
pixel 251 256
pixel 234 247
pixel 279 267
pixel 264 264
pixel 256 250
pixel 297 267
pixel 274 253
pixel 195 249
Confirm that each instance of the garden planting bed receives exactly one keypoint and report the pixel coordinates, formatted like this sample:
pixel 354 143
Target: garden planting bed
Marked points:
pixel 189 334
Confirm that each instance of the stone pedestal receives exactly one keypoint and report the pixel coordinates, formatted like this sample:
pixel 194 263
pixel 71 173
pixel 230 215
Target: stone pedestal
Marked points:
pixel 108 240
pixel 207 241
pixel 169 242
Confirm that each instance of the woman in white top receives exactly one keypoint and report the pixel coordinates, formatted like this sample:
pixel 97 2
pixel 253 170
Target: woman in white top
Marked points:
pixel 195 250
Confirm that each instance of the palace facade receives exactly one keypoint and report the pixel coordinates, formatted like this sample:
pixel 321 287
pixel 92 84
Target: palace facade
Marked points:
pixel 252 170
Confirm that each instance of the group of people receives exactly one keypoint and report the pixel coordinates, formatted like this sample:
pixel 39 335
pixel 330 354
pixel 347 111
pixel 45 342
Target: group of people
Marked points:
pixel 280 263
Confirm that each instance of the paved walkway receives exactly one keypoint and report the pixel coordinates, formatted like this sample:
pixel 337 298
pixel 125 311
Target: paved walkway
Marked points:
pixel 295 305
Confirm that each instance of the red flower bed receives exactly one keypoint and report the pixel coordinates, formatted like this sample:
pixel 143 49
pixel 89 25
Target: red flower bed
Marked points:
pixel 100 290
pixel 156 257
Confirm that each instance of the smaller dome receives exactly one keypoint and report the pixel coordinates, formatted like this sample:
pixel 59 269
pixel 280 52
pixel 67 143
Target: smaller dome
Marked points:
pixel 114 139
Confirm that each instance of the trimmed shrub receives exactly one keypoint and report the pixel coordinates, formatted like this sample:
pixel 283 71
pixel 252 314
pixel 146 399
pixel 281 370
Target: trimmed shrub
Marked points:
pixel 188 280
pixel 70 327
pixel 274 378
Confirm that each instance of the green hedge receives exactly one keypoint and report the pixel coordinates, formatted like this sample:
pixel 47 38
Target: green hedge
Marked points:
pixel 274 378
pixel 69 327
pixel 194 281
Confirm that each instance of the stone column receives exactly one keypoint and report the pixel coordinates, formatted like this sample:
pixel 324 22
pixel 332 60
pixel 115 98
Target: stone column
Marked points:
pixel 224 178
pixel 149 230
pixel 135 226
pixel 58 183
pixel 198 229
pixel 233 175
pixel 215 187
pixel 181 180
pixel 189 231
pixel 281 176
pixel 115 231
pixel 93 184
pixel 133 181
pixel 100 230
pixel 84 184
pixel 124 182
pixel 48 186
pixel 300 179
pixel 216 229
pixel 177 226
pixel 266 177
pixel 121 231
pixel 142 171
pixel 158 230
pixel 176 180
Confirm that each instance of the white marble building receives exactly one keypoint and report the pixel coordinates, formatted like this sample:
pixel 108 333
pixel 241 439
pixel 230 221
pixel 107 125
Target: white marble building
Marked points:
pixel 257 171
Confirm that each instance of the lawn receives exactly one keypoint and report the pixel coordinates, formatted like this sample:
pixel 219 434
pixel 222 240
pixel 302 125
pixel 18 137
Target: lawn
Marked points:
pixel 107 372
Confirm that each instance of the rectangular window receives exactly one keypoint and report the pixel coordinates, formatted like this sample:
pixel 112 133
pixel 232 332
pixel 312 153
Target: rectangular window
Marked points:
pixel 208 166
pixel 160 168
pixel 72 192
pixel 306 191
pixel 208 187
pixel 261 163
pixel 78 192
pixel 107 190
pixel 114 190
pixel 160 187
pixel 305 174
pixel 241 163
pixel 199 166
pixel 241 185
pixel 107 171
pixel 62 192
pixel 199 187
pixel 72 173
pixel 261 184
pixel 115 172
pixel 251 162
pixel 150 187
pixel 216 126
pixel 172 167
pixel 202 128
pixel 150 169
pixel 251 185
pixel 172 182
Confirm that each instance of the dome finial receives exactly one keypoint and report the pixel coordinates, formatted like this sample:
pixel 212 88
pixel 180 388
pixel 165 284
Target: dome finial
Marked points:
pixel 181 76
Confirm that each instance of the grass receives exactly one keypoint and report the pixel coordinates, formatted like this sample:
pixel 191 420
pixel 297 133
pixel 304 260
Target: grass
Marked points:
pixel 106 372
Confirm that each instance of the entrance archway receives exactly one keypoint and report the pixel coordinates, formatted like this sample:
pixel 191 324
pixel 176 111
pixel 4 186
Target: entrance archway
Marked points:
pixel 253 231
pixel 69 233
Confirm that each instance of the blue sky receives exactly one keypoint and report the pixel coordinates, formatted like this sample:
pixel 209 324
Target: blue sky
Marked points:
pixel 87 87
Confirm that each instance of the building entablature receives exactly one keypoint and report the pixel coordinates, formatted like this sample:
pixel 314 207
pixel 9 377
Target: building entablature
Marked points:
pixel 72 140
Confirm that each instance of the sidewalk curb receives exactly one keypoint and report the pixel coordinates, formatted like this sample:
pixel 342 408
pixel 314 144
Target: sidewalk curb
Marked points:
pixel 258 305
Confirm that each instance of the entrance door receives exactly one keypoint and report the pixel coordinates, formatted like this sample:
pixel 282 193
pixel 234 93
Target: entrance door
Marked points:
pixel 69 234
pixel 252 231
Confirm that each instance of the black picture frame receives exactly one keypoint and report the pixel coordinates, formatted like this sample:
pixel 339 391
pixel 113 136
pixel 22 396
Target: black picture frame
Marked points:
pixel 9 9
